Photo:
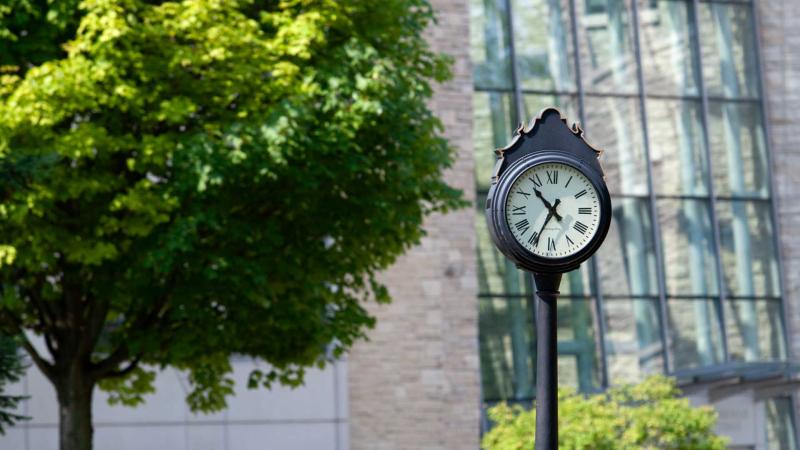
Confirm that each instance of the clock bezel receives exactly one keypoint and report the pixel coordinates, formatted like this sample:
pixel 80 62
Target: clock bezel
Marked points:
pixel 501 231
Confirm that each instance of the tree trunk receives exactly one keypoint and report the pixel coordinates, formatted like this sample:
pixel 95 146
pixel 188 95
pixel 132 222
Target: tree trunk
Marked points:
pixel 75 409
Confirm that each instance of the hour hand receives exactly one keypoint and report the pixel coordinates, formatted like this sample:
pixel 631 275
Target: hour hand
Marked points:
pixel 550 208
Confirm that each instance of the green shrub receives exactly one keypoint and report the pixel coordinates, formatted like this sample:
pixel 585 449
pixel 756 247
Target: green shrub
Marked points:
pixel 650 415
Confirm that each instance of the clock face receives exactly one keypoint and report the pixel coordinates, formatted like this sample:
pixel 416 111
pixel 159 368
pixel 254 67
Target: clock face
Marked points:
pixel 553 210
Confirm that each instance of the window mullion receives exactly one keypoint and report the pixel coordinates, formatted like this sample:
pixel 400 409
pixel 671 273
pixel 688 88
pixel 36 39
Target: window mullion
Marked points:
pixel 694 24
pixel 656 229
pixel 788 354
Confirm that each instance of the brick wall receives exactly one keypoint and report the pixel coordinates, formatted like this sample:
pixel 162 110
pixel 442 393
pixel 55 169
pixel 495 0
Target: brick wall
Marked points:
pixel 415 384
pixel 780 44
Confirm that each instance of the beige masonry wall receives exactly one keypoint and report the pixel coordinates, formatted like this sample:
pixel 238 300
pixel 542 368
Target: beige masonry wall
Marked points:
pixel 415 384
pixel 780 51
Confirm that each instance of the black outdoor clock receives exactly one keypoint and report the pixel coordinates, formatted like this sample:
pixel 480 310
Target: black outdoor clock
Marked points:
pixel 548 206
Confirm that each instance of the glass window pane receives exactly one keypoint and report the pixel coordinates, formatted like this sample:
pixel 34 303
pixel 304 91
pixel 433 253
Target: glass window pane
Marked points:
pixel 543 47
pixel 749 256
pixel 492 128
pixel 578 350
pixel 614 125
pixel 489 50
pixel 738 149
pixel 606 48
pixel 677 147
pixel 780 424
pixel 496 274
pixel 633 341
pixel 728 50
pixel 567 104
pixel 627 261
pixel 507 346
pixel 755 330
pixel 695 336
pixel 577 283
pixel 687 242
pixel 668 43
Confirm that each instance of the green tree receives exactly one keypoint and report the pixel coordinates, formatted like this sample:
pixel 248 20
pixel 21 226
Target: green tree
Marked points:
pixel 11 370
pixel 650 415
pixel 213 177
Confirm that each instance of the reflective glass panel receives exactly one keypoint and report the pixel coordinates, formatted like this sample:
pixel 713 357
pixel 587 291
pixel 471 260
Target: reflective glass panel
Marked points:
pixel 614 125
pixel 633 341
pixel 606 46
pixel 567 104
pixel 728 50
pixel 578 351
pixel 695 336
pixel 755 330
pixel 749 256
pixel 780 424
pixel 627 261
pixel 492 128
pixel 688 247
pixel 496 274
pixel 543 45
pixel 489 44
pixel 677 147
pixel 507 348
pixel 668 44
pixel 577 283
pixel 738 149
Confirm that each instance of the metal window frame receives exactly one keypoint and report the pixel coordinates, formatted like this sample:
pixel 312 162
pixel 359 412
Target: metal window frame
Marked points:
pixel 656 226
pixel 712 194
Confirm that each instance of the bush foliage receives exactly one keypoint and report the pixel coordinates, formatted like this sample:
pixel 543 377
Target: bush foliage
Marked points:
pixel 650 415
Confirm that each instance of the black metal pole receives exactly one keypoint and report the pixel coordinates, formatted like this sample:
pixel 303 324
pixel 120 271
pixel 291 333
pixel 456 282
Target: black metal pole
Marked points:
pixel 547 285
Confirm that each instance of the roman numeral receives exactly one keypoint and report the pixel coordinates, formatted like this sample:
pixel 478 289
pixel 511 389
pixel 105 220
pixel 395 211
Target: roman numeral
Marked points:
pixel 551 245
pixel 580 227
pixel 534 239
pixel 552 177
pixel 518 211
pixel 569 240
pixel 570 179
pixel 522 226
pixel 526 194
pixel 537 181
pixel 584 210
pixel 580 194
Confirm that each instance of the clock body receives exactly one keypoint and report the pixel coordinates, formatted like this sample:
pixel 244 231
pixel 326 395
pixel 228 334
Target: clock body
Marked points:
pixel 549 212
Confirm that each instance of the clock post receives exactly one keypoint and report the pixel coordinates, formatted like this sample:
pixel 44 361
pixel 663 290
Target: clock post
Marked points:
pixel 548 210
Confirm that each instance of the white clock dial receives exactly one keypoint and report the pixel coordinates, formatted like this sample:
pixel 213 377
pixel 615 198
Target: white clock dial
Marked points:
pixel 553 210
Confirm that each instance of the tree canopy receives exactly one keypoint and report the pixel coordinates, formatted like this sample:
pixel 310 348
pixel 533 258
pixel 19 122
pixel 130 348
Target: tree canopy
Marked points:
pixel 209 177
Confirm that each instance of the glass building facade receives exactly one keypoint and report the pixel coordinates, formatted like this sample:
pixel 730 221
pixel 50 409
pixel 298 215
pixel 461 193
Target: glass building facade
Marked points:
pixel 688 280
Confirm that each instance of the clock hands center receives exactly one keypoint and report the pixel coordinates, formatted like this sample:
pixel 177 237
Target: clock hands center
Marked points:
pixel 550 215
pixel 550 208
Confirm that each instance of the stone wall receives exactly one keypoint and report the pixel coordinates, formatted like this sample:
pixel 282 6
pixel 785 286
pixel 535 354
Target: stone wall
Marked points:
pixel 780 48
pixel 415 384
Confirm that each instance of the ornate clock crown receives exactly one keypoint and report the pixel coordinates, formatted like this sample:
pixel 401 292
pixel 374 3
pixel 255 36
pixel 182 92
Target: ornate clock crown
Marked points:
pixel 548 131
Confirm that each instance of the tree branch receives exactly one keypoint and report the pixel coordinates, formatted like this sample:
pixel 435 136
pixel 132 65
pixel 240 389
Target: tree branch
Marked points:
pixel 145 319
pixel 102 368
pixel 126 371
pixel 46 367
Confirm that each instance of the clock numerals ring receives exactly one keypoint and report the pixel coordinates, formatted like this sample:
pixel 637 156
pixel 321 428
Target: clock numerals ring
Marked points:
pixel 549 212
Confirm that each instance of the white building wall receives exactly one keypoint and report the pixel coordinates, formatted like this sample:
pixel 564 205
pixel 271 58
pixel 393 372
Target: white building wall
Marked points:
pixel 312 417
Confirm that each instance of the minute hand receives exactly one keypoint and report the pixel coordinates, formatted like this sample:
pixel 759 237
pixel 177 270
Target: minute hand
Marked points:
pixel 547 219
pixel 550 208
